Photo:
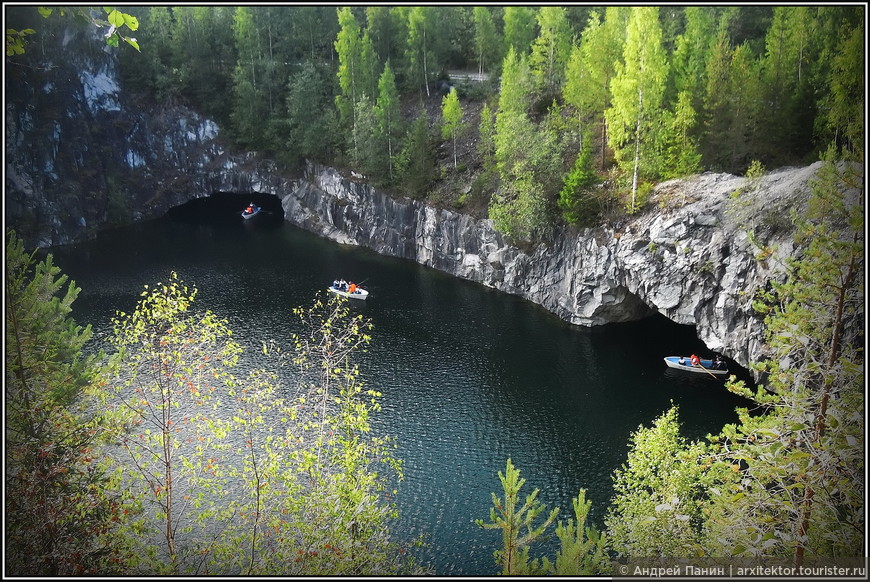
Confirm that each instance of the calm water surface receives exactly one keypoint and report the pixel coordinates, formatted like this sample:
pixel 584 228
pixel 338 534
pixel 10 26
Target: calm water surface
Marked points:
pixel 470 377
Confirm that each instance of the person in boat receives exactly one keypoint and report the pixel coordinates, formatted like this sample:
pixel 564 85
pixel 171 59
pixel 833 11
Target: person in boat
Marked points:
pixel 250 208
pixel 351 288
pixel 682 361
pixel 718 363
pixel 696 361
pixel 335 284
pixel 342 285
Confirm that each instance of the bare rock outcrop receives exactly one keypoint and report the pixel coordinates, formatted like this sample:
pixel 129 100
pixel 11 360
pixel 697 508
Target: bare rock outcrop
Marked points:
pixel 701 253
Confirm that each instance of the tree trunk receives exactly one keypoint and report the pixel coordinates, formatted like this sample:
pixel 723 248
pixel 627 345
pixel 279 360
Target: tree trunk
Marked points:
pixel 837 332
pixel 636 148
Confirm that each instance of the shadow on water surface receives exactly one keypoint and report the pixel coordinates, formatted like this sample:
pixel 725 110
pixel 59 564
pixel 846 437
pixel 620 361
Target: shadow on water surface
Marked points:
pixel 226 208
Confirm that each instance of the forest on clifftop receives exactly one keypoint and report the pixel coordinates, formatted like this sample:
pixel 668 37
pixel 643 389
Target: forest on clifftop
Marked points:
pixel 560 114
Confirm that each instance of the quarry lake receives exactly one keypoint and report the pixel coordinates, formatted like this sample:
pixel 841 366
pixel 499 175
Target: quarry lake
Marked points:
pixel 470 376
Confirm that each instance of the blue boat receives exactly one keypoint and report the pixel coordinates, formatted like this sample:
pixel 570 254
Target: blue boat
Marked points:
pixel 703 367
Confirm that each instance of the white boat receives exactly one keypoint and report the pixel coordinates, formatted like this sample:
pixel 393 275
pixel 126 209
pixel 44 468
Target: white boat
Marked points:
pixel 704 366
pixel 255 210
pixel 358 292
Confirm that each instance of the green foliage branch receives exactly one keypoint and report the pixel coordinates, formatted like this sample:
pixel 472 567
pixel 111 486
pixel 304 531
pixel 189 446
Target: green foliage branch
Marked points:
pixel 582 551
pixel 62 511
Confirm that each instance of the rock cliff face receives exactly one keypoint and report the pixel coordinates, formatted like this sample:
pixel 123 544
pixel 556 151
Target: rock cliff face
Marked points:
pixel 81 156
pixel 690 257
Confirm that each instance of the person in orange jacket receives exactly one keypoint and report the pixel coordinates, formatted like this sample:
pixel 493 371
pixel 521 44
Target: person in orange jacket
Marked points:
pixel 696 361
pixel 351 288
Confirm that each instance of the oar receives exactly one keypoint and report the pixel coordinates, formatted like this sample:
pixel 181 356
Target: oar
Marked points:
pixel 699 364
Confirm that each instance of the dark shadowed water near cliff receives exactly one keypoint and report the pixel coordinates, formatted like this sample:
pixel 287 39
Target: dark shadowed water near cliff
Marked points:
pixel 470 377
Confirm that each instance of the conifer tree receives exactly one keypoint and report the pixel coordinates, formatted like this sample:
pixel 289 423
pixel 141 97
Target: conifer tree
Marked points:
pixel 582 551
pixel 517 522
pixel 577 201
pixel 796 486
pixel 62 508
pixel 591 67
pixel 389 115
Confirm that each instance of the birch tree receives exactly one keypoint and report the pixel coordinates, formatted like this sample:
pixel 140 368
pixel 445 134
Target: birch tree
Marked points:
pixel 637 92
pixel 451 114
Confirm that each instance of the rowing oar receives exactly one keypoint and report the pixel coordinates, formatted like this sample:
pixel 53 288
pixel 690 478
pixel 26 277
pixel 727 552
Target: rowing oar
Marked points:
pixel 706 370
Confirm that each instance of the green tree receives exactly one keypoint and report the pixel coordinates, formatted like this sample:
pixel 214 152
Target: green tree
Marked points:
pixel 591 66
pixel 637 92
pixel 783 68
pixel 382 28
pixel 526 157
pixel 247 117
pixel 796 488
pixel 310 112
pixel 422 40
pixel 550 50
pixel 416 162
pixel 717 114
pixel 389 114
pixel 175 366
pixel 693 46
pixel 517 524
pixel 516 85
pixel 292 481
pixel 519 29
pixel 846 93
pixel 659 495
pixel 486 150
pixel 583 550
pixel 250 108
pixel 369 67
pixel 348 47
pixel 451 114
pixel 62 510
pixel 577 199
pixel 487 42
pixel 679 154
pixel 368 153
pixel 325 494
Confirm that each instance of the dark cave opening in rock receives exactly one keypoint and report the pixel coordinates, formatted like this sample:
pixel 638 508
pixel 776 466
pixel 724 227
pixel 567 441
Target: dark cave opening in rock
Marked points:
pixel 227 207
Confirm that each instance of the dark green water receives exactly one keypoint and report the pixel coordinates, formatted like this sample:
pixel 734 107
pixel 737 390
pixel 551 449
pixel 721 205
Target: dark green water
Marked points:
pixel 469 376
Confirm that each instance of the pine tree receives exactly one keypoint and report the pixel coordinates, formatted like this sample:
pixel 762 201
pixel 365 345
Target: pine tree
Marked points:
pixel 796 486
pixel 62 507
pixel 517 524
pixel 577 201
pixel 389 115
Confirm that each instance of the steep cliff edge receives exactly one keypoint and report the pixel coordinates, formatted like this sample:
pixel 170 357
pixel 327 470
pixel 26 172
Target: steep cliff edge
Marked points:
pixel 81 156
pixel 690 257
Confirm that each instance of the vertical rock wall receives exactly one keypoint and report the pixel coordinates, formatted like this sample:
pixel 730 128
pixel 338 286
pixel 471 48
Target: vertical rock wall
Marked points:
pixel 689 258
pixel 81 156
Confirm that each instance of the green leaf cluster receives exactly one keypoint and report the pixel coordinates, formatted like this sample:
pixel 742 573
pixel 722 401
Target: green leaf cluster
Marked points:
pixel 62 505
